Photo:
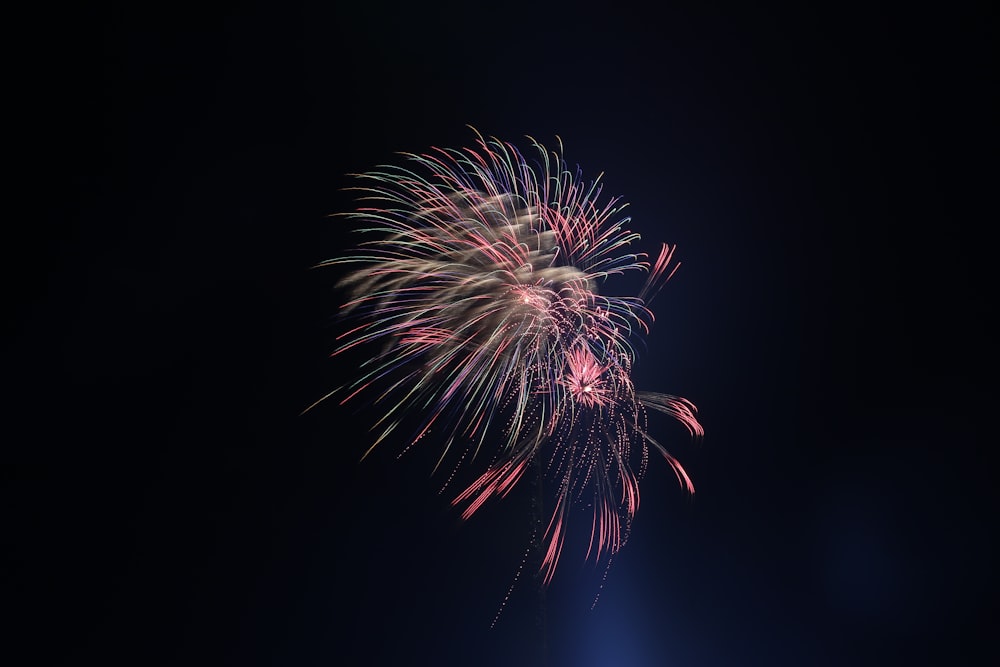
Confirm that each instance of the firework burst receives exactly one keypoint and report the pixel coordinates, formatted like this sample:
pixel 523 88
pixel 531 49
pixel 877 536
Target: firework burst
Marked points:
pixel 478 285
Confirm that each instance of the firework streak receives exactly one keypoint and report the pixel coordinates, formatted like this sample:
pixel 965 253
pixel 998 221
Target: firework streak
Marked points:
pixel 477 284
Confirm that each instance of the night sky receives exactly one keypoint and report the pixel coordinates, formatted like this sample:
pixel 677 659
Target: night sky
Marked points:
pixel 829 175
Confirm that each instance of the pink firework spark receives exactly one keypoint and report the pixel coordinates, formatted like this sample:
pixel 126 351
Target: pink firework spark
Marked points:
pixel 478 285
pixel 584 377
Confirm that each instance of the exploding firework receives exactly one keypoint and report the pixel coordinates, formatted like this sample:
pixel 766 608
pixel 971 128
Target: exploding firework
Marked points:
pixel 478 285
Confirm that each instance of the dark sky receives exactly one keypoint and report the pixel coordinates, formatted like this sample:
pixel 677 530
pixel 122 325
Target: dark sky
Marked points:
pixel 829 175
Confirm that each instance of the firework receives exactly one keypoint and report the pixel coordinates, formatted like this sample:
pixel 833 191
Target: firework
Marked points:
pixel 478 283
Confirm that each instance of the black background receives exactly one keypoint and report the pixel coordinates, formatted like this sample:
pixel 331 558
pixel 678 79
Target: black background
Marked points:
pixel 828 173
